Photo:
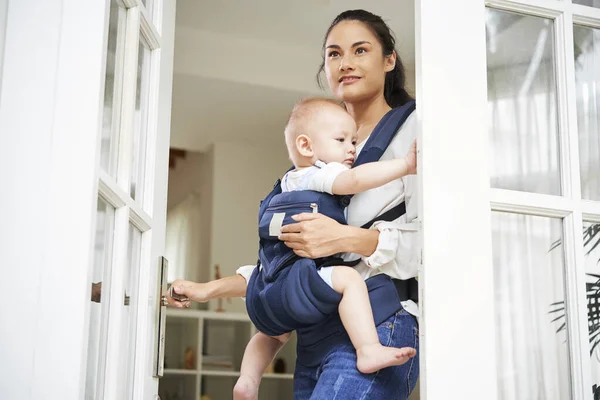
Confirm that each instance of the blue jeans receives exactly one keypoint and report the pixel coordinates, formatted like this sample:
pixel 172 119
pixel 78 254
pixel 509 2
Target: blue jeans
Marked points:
pixel 337 377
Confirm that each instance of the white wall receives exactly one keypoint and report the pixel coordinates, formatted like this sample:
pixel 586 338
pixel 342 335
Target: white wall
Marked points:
pixel 231 179
pixel 3 14
pixel 194 174
pixel 185 178
pixel 244 173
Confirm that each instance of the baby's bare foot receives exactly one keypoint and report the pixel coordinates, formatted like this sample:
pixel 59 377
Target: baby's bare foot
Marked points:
pixel 374 357
pixel 245 388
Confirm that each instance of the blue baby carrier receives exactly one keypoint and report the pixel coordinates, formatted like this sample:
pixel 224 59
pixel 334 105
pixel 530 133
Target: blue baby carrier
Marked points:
pixel 287 294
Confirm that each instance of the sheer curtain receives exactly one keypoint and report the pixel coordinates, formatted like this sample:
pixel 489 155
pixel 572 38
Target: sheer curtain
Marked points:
pixel 183 240
pixel 531 347
pixel 587 79
pixel 531 351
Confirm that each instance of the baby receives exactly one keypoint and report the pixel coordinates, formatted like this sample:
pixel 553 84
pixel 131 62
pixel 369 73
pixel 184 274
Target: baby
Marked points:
pixel 321 141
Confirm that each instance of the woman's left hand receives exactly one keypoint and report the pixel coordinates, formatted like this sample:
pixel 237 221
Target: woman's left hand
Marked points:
pixel 313 235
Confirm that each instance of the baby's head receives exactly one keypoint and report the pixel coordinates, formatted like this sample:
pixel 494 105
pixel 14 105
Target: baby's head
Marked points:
pixel 320 129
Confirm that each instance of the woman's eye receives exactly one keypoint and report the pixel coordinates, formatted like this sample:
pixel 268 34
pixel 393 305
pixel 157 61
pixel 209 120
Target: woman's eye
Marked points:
pixel 361 50
pixel 333 54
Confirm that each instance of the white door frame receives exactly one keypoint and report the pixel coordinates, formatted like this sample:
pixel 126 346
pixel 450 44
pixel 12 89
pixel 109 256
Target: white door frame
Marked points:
pixel 155 25
pixel 457 305
pixel 456 325
pixel 50 113
pixel 51 104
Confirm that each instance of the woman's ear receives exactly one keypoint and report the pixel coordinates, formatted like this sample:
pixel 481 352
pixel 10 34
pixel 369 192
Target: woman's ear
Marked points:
pixel 390 62
pixel 304 146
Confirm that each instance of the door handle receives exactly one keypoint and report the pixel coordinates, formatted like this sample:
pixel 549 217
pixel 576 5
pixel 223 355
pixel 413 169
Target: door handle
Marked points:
pixel 161 315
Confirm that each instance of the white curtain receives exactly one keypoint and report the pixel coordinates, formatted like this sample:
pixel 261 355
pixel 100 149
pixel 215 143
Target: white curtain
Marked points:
pixel 532 355
pixel 587 78
pixel 529 280
pixel 183 240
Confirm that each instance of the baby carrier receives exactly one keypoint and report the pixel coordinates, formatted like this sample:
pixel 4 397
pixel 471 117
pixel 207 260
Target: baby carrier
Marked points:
pixel 287 294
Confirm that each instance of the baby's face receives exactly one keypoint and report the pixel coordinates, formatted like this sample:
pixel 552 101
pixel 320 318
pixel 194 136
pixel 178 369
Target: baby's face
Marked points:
pixel 334 137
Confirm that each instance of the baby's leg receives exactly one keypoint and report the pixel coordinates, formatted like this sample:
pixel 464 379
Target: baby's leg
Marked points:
pixel 356 315
pixel 260 351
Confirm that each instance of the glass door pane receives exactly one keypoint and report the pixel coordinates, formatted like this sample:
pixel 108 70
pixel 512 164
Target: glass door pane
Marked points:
pixel 112 88
pixel 129 315
pixel 99 306
pixel 591 3
pixel 531 345
pixel 587 81
pixel 522 103
pixel 140 127
pixel 591 248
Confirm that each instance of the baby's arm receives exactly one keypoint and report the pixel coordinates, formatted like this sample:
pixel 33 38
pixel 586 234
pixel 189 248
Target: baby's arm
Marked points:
pixel 371 175
pixel 260 351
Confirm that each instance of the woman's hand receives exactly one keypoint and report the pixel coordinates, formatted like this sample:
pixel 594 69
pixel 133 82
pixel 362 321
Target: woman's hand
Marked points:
pixel 313 235
pixel 231 286
pixel 411 159
pixel 193 291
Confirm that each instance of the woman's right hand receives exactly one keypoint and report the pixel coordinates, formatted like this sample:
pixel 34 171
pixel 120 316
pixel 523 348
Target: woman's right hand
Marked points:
pixel 193 291
pixel 411 159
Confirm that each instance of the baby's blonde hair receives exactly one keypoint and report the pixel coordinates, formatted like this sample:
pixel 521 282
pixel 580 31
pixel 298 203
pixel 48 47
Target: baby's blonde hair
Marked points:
pixel 299 122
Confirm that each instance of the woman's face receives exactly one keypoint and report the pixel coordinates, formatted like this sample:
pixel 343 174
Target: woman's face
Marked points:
pixel 354 62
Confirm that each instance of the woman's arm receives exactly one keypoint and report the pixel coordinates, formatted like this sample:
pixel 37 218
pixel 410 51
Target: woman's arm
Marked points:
pixel 397 245
pixel 375 174
pixel 316 235
pixel 231 286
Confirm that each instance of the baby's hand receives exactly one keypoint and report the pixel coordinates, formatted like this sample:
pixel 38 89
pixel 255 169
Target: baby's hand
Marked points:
pixel 411 159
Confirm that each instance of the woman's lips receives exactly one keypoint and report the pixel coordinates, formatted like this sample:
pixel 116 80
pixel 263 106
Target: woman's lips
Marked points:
pixel 348 79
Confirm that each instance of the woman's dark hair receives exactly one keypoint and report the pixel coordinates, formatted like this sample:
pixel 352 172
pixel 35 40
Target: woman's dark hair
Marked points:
pixel 394 92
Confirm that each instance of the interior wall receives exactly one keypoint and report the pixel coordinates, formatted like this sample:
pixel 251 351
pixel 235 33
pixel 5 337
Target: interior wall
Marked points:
pixel 244 173
pixel 3 14
pixel 193 175
pixel 231 179
pixel 185 178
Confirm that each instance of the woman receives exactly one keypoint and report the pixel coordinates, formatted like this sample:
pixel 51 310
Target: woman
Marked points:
pixel 363 71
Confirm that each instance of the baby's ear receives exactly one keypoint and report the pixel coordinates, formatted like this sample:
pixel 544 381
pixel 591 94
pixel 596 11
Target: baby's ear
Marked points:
pixel 304 146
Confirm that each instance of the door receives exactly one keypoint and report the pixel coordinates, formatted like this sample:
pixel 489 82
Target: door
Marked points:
pixel 131 205
pixel 85 99
pixel 509 104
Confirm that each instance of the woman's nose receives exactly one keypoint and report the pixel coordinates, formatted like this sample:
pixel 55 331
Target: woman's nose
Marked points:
pixel 345 64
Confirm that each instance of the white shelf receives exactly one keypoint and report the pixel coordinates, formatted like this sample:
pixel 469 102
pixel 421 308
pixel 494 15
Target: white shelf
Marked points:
pixel 279 376
pixel 174 371
pixel 208 315
pixel 190 328
pixel 235 374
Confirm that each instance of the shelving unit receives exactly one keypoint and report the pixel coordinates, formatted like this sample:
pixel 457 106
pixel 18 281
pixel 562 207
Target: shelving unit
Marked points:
pixel 220 337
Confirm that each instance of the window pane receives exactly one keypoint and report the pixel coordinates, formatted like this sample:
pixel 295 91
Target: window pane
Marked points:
pixel 587 80
pixel 522 114
pixel 591 3
pixel 130 302
pixel 591 248
pixel 140 123
pixel 111 86
pixel 531 344
pixel 99 307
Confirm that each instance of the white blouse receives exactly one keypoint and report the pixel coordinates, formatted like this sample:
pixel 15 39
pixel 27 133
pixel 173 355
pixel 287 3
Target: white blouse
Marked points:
pixel 399 246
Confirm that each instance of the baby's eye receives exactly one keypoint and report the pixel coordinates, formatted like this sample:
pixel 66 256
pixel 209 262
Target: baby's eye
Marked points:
pixel 341 140
pixel 333 54
pixel 354 143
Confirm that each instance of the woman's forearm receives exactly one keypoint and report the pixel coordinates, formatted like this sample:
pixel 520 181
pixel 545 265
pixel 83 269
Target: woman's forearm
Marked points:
pixel 231 286
pixel 359 241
